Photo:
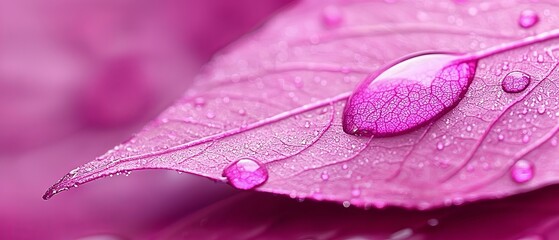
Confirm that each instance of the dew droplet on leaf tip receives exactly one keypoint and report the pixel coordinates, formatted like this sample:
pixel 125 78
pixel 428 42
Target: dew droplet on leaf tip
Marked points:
pixel 522 171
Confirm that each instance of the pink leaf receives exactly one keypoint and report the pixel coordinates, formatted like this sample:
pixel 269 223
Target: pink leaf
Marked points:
pixel 277 97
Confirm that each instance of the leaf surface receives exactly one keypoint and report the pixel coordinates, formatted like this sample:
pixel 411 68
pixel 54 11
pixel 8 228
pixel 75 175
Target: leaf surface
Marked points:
pixel 277 96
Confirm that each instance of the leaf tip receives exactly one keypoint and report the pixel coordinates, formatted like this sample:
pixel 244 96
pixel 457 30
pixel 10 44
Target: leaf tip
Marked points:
pixel 60 186
pixel 49 193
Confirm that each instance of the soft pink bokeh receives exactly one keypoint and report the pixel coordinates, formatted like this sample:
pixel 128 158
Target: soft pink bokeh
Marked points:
pixel 77 78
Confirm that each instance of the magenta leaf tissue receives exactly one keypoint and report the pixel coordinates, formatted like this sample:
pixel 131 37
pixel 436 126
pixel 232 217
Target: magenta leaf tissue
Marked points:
pixel 319 104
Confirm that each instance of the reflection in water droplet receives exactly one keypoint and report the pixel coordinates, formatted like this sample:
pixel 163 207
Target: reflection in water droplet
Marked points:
pixel 407 94
pixel 515 82
pixel 528 18
pixel 331 16
pixel 246 174
pixel 522 171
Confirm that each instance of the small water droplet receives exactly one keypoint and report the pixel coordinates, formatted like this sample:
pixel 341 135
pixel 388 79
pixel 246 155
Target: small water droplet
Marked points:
pixel 346 204
pixel 522 171
pixel 528 19
pixel 242 112
pixel 199 101
pixel 469 128
pixel 540 58
pixel 307 124
pixel 324 176
pixel 501 137
pixel 246 173
pixel 553 141
pixel 332 16
pixel 394 99
pixel 526 138
pixel 541 109
pixel 515 82
pixel 440 146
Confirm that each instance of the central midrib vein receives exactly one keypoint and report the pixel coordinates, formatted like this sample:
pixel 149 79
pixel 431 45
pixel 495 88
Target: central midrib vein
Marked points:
pixel 251 126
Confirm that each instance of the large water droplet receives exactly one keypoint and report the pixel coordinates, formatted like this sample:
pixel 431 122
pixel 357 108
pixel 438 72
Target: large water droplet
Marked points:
pixel 522 171
pixel 515 82
pixel 407 94
pixel 246 173
pixel 528 18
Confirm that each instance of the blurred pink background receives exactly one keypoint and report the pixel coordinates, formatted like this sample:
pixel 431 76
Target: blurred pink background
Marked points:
pixel 77 78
